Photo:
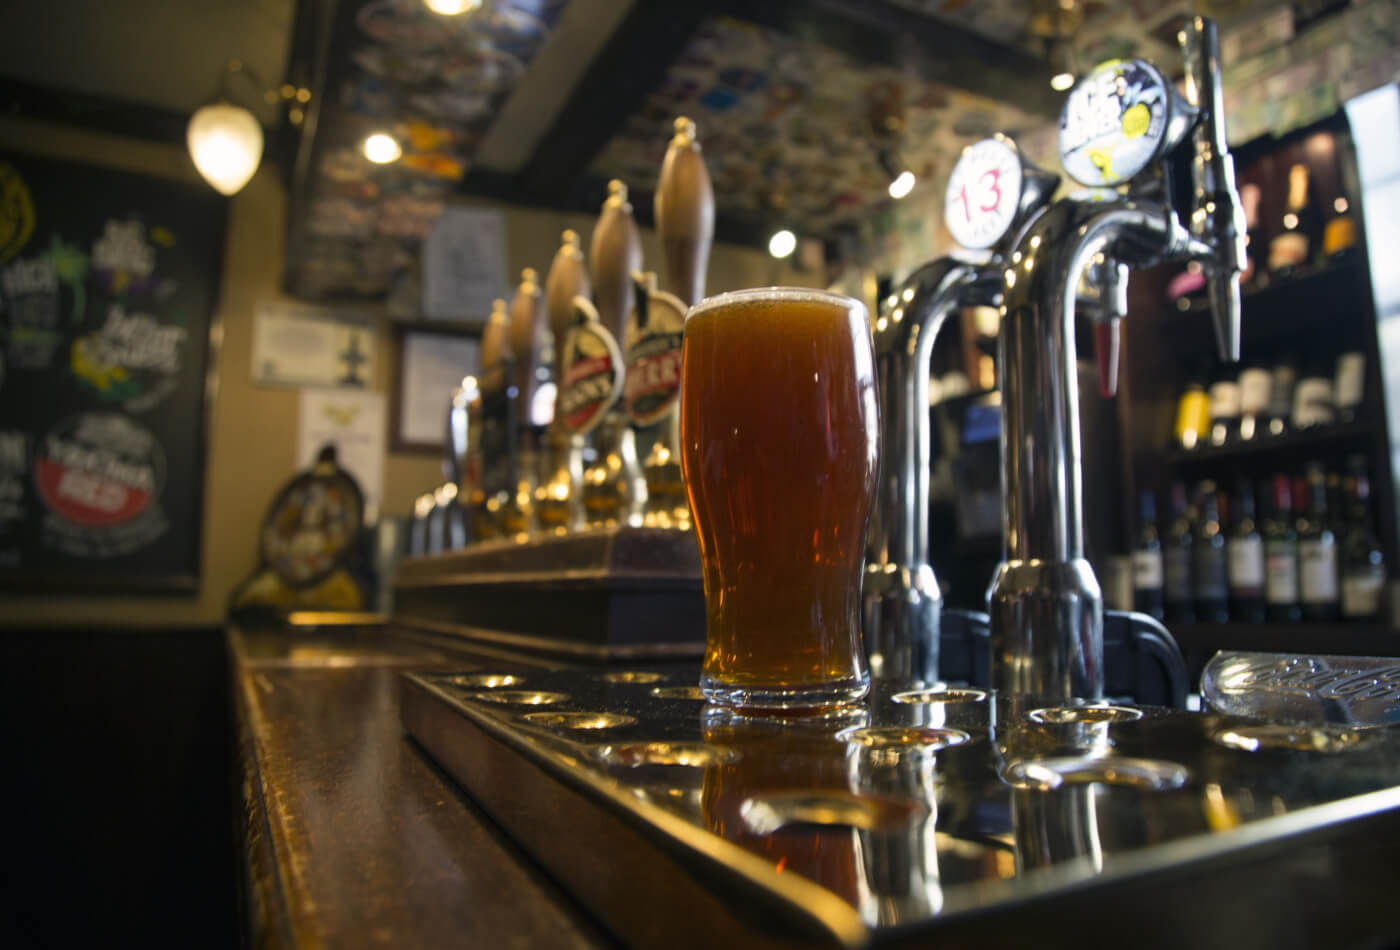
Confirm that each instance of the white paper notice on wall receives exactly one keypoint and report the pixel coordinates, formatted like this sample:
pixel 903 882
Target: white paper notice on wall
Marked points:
pixel 311 346
pixel 353 422
pixel 433 365
pixel 464 264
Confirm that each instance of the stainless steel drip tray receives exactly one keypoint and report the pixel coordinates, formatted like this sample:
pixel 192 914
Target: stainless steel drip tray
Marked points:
pixel 946 813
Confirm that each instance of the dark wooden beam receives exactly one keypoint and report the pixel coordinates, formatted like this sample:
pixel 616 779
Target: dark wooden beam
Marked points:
pixel 633 62
pixel 97 113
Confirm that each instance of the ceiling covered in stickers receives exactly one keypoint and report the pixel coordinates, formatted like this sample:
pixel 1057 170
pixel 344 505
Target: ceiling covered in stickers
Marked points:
pixel 798 132
pixel 432 82
pixel 806 109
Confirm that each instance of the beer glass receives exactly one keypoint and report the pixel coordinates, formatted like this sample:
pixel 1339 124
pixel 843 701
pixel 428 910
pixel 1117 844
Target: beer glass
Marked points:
pixel 779 436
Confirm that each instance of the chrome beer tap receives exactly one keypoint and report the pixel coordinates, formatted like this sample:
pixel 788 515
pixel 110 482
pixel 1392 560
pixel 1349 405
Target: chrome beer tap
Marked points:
pixel 992 192
pixel 1119 122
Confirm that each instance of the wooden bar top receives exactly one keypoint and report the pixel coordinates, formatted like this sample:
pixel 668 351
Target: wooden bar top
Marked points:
pixel 352 836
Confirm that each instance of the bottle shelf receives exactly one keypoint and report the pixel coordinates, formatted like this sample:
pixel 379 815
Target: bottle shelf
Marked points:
pixel 1339 637
pixel 1314 438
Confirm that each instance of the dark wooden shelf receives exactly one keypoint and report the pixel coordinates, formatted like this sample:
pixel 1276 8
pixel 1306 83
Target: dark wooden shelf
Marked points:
pixel 1347 639
pixel 1305 439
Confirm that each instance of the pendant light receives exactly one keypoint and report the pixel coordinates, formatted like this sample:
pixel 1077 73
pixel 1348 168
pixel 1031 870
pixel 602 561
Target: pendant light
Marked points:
pixel 226 140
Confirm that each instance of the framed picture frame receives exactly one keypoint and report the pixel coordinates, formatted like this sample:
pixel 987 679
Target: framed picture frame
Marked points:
pixel 431 359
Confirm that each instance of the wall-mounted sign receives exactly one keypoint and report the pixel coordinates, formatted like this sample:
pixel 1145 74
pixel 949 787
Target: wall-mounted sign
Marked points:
pixel 1114 122
pixel 107 284
pixel 295 345
pixel 984 192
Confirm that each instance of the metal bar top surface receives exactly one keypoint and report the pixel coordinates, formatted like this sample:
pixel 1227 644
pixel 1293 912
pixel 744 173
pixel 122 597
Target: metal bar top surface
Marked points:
pixel 353 838
pixel 939 814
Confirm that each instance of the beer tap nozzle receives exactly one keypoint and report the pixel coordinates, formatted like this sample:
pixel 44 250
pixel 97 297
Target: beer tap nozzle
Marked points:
pixel 1217 215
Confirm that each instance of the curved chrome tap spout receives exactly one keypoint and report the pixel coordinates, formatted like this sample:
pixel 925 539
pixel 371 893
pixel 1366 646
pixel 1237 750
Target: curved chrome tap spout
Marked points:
pixel 1045 603
pixel 900 598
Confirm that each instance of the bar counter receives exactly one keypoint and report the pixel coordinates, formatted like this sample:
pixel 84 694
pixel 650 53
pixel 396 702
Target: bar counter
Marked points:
pixel 353 836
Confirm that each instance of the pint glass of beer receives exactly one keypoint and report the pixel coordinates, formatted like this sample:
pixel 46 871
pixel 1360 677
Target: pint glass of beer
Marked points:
pixel 779 437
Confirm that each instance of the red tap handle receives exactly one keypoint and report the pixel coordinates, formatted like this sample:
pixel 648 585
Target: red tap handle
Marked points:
pixel 1106 357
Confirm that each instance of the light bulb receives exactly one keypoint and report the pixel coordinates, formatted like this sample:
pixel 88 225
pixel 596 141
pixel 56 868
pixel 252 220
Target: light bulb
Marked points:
pixel 902 185
pixel 452 7
pixel 782 243
pixel 226 143
pixel 1060 82
pixel 382 149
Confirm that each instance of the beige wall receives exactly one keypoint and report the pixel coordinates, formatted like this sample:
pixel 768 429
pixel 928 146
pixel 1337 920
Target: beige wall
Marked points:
pixel 253 429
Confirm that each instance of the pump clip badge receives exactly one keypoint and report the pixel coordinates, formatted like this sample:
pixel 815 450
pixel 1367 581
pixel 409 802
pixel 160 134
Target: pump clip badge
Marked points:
pixel 591 380
pixel 655 334
pixel 1113 123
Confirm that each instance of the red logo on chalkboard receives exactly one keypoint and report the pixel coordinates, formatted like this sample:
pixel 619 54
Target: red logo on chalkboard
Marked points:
pixel 98 469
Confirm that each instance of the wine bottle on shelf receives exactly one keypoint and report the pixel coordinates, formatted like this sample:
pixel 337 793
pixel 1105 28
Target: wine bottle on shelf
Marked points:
pixel 1281 397
pixel 1350 385
pixel 1255 384
pixel 1317 552
pixel 1178 590
pixel 1224 411
pixel 1300 233
pixel 1363 563
pixel 1313 400
pixel 1210 561
pixel 1245 549
pixel 1281 556
pixel 1148 595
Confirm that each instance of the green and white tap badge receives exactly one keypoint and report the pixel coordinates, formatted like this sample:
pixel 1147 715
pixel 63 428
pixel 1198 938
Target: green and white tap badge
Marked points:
pixel 1113 122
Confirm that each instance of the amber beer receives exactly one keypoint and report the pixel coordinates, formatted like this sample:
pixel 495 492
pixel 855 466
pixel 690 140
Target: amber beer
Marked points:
pixel 779 435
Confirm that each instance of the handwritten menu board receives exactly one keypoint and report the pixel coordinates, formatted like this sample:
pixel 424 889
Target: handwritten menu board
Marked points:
pixel 107 287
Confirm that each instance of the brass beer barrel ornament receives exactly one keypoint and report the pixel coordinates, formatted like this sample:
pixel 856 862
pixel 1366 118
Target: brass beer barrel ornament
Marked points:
pixel 655 334
pixel 590 371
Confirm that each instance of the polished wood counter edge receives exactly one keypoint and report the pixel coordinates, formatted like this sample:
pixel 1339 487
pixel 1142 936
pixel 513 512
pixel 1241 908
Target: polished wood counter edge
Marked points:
pixel 352 837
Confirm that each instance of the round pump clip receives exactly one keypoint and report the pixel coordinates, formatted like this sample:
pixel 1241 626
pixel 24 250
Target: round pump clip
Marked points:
pixel 1118 119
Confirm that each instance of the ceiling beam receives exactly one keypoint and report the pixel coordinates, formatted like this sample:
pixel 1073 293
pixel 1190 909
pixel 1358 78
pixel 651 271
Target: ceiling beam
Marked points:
pixel 97 113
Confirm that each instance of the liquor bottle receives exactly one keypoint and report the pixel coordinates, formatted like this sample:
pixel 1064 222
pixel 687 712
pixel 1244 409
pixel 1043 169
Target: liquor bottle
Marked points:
pixel 1147 560
pixel 1253 240
pixel 1317 552
pixel 1339 237
pixel 1211 563
pixel 1193 416
pixel 1292 249
pixel 1350 385
pixel 1281 556
pixel 1245 548
pixel 1224 411
pixel 1255 384
pixel 1363 564
pixel 1178 592
pixel 1281 397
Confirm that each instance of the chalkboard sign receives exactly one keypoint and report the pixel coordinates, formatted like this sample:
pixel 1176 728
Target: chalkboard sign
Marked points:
pixel 107 288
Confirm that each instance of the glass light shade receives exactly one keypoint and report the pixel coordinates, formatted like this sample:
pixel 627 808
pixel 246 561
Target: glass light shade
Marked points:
pixel 452 7
pixel 226 143
pixel 902 185
pixel 782 243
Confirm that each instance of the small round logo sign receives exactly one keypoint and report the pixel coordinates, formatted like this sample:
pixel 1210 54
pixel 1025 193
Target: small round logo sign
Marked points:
pixel 591 380
pixel 983 193
pixel 654 359
pixel 99 469
pixel 1113 123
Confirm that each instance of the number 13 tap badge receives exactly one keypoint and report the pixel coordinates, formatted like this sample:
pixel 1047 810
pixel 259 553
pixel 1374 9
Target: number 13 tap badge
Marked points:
pixel 591 379
pixel 984 192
